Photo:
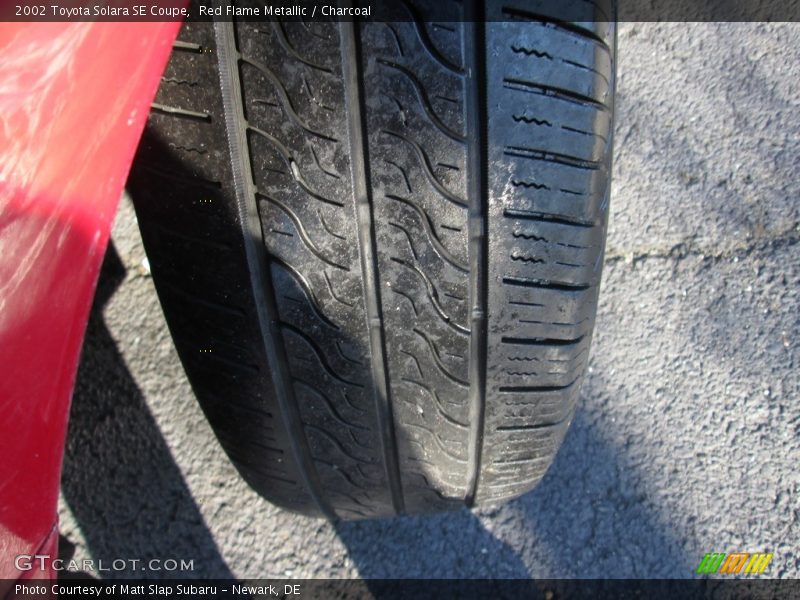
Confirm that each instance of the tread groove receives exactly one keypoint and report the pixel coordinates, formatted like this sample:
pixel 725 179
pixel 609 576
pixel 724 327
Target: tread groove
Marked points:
pixel 546 284
pixel 546 218
pixel 306 287
pixel 558 24
pixel 534 87
pixel 298 224
pixel 478 194
pixel 541 341
pixel 433 296
pixel 315 348
pixel 356 124
pixel 425 163
pixel 427 224
pixel 423 36
pixel 422 96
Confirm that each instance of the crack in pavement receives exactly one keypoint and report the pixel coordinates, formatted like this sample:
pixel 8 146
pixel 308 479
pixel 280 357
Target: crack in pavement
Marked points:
pixel 691 246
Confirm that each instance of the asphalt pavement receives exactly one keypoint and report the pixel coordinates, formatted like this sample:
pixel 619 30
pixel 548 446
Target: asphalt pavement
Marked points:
pixel 687 434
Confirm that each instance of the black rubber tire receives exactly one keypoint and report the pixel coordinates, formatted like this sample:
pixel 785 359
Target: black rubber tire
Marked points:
pixel 378 247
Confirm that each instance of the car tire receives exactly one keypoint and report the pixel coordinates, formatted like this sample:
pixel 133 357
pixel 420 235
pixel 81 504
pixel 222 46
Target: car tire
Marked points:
pixel 378 246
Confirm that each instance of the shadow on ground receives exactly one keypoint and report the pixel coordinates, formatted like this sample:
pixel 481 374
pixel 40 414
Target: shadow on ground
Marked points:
pixel 453 545
pixel 590 517
pixel 593 516
pixel 117 465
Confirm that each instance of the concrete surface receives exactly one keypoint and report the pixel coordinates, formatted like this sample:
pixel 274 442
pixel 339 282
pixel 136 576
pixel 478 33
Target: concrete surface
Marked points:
pixel 687 439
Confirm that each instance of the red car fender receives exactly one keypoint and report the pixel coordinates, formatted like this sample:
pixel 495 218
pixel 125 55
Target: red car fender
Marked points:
pixel 74 98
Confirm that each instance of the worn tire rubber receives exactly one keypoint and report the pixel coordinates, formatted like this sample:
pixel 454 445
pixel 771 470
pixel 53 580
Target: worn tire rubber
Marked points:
pixel 378 247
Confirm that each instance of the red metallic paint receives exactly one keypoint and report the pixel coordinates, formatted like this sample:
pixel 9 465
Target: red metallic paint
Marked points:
pixel 74 98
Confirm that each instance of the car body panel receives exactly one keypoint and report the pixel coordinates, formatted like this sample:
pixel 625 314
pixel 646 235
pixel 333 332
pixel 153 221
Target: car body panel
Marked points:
pixel 74 98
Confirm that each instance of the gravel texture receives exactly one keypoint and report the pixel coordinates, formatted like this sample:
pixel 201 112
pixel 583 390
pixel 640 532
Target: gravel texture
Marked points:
pixel 687 436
